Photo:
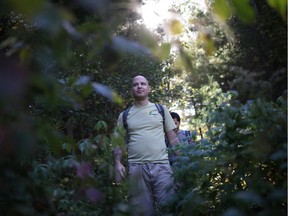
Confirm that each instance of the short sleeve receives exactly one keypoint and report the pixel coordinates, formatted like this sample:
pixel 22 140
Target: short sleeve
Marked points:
pixel 120 120
pixel 169 122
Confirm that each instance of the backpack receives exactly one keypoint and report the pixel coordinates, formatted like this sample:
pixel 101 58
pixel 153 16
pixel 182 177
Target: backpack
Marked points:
pixel 187 133
pixel 188 136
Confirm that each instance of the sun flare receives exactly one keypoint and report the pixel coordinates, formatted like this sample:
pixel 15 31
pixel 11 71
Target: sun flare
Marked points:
pixel 156 12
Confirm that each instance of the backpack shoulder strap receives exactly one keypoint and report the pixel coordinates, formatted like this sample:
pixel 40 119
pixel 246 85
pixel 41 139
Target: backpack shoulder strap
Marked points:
pixel 124 118
pixel 160 109
pixel 187 133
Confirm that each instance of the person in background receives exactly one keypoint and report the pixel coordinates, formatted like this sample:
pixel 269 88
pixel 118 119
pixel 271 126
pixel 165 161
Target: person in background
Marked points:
pixel 149 171
pixel 184 136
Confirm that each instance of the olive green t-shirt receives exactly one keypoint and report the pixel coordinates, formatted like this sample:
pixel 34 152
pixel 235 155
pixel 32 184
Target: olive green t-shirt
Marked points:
pixel 146 141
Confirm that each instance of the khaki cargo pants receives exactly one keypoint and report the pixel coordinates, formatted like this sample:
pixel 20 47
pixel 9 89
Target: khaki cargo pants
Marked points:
pixel 150 186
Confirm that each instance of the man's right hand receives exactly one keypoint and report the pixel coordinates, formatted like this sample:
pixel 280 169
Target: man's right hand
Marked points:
pixel 119 172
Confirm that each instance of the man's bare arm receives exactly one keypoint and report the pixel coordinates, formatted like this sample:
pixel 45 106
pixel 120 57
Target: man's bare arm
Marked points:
pixel 172 138
pixel 117 152
pixel 119 168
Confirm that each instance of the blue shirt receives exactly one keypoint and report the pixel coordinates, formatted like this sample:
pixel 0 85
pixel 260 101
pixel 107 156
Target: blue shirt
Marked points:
pixel 184 136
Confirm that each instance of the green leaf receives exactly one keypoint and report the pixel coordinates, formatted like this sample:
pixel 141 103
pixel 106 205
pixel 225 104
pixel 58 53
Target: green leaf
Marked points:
pixel 85 146
pixel 67 146
pixel 147 39
pixel 233 94
pixel 185 60
pixel 86 90
pixel 176 27
pixel 280 6
pixel 162 51
pixel 25 55
pixel 222 9
pixel 106 92
pixel 208 43
pixel 244 10
pixel 30 7
pixel 123 45
pixel 101 124
pixel 103 90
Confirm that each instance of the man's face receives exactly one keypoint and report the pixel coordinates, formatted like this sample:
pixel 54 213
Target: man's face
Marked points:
pixel 177 123
pixel 140 87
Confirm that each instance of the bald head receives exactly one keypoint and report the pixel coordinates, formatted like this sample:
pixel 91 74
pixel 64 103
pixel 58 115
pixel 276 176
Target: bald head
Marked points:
pixel 140 88
pixel 139 77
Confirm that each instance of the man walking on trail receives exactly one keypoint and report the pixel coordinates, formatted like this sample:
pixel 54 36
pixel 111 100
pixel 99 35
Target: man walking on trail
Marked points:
pixel 184 136
pixel 149 172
